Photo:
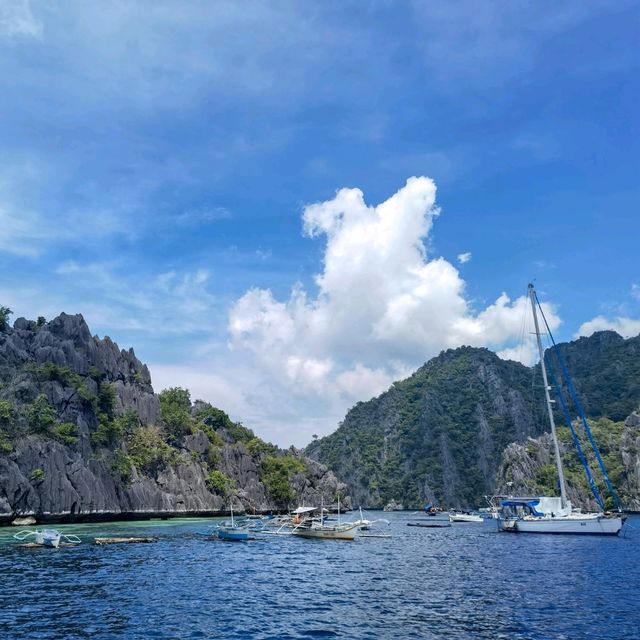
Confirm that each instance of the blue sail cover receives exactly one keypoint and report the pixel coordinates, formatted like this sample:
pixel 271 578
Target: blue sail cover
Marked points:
pixel 531 504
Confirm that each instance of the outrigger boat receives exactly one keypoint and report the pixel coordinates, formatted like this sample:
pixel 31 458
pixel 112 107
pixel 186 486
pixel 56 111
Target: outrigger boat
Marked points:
pixel 47 537
pixel 368 528
pixel 555 514
pixel 231 531
pixel 316 527
pixel 311 522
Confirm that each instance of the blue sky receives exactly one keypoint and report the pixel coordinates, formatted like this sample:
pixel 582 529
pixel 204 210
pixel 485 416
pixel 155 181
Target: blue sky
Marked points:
pixel 158 160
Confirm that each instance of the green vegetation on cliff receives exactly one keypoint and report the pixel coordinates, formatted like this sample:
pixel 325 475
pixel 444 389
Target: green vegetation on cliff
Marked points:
pixel 607 434
pixel 439 434
pixel 82 432
pixel 277 473
pixel 436 435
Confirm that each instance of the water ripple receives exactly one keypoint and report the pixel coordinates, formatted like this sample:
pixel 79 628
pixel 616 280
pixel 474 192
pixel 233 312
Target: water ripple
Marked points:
pixel 462 582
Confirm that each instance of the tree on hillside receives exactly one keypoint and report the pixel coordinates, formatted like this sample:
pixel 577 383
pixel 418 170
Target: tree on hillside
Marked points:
pixel 175 410
pixel 5 312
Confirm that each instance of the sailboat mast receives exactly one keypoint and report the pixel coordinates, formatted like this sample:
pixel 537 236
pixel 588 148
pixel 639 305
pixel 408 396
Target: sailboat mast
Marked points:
pixel 563 489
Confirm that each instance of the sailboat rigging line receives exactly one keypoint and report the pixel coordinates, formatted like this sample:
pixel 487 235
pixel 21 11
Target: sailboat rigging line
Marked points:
pixel 578 405
pixel 576 440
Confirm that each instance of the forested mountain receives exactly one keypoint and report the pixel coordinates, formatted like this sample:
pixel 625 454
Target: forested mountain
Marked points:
pixel 82 434
pixel 439 435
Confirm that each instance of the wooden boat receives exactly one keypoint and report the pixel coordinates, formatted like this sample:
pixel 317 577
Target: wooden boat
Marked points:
pixel 372 528
pixel 307 525
pixel 232 531
pixel 46 537
pixel 344 531
pixel 432 523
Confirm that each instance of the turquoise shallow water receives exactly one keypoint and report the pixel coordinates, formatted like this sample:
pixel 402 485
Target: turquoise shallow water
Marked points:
pixel 466 581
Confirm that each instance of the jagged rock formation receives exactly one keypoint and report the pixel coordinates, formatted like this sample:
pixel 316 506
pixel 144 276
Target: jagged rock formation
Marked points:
pixel 528 468
pixel 82 436
pixel 436 436
pixel 439 435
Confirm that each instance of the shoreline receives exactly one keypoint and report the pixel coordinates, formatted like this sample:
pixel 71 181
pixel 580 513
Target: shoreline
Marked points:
pixel 111 516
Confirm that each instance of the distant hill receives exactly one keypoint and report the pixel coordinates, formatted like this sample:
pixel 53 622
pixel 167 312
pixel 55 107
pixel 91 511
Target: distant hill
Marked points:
pixel 440 434
pixel 82 435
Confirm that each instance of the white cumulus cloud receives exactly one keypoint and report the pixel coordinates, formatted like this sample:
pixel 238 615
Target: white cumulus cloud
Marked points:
pixel 626 327
pixel 464 257
pixel 383 305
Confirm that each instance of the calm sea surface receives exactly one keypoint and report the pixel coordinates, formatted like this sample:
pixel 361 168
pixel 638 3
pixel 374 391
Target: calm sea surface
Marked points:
pixel 466 581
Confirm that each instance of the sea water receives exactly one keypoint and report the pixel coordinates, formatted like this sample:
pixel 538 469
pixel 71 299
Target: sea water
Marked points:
pixel 464 581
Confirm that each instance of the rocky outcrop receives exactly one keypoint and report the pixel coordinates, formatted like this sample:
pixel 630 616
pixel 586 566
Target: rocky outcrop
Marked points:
pixel 42 474
pixel 435 437
pixel 439 435
pixel 528 468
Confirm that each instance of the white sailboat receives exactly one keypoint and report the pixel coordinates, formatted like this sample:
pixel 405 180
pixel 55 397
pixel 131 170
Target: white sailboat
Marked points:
pixel 555 514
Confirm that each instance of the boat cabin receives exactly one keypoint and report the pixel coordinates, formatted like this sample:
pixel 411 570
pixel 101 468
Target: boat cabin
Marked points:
pixel 538 507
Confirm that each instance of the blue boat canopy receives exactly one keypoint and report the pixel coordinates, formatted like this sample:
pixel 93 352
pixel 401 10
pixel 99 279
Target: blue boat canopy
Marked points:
pixel 523 503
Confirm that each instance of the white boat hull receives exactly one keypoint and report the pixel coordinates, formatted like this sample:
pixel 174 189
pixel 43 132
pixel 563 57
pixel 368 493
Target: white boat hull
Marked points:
pixel 343 532
pixel 464 517
pixel 48 538
pixel 587 525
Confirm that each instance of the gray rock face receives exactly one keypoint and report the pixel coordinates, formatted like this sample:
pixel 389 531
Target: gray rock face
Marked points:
pixel 67 342
pixel 523 465
pixel 434 437
pixel 51 480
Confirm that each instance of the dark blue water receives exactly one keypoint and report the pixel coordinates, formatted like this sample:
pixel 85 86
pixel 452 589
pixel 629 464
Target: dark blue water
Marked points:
pixel 466 581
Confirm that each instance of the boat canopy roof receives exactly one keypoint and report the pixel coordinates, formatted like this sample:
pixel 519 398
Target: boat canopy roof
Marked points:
pixel 304 510
pixel 532 503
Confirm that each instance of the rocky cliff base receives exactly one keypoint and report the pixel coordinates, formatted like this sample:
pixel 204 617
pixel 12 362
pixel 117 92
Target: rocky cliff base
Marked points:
pixel 84 437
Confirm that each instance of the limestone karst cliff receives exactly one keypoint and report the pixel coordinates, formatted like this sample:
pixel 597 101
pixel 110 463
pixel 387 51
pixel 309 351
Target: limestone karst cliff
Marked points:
pixel 528 468
pixel 439 435
pixel 82 434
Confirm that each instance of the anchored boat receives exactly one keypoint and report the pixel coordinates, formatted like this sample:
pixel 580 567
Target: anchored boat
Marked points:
pixel 464 517
pixel 555 514
pixel 232 531
pixel 46 537
pixel 318 528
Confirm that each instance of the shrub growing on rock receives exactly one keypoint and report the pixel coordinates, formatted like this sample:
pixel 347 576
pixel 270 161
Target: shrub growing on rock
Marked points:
pixel 219 482
pixel 175 410
pixel 277 473
pixel 41 415
pixel 149 452
pixel 5 312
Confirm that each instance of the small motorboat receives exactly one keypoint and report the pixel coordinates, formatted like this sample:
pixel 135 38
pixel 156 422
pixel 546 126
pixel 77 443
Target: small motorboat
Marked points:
pixel 464 517
pixel 232 531
pixel 47 537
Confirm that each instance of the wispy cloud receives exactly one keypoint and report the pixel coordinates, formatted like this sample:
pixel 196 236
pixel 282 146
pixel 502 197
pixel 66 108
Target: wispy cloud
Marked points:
pixel 17 20
pixel 463 258
pixel 203 215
